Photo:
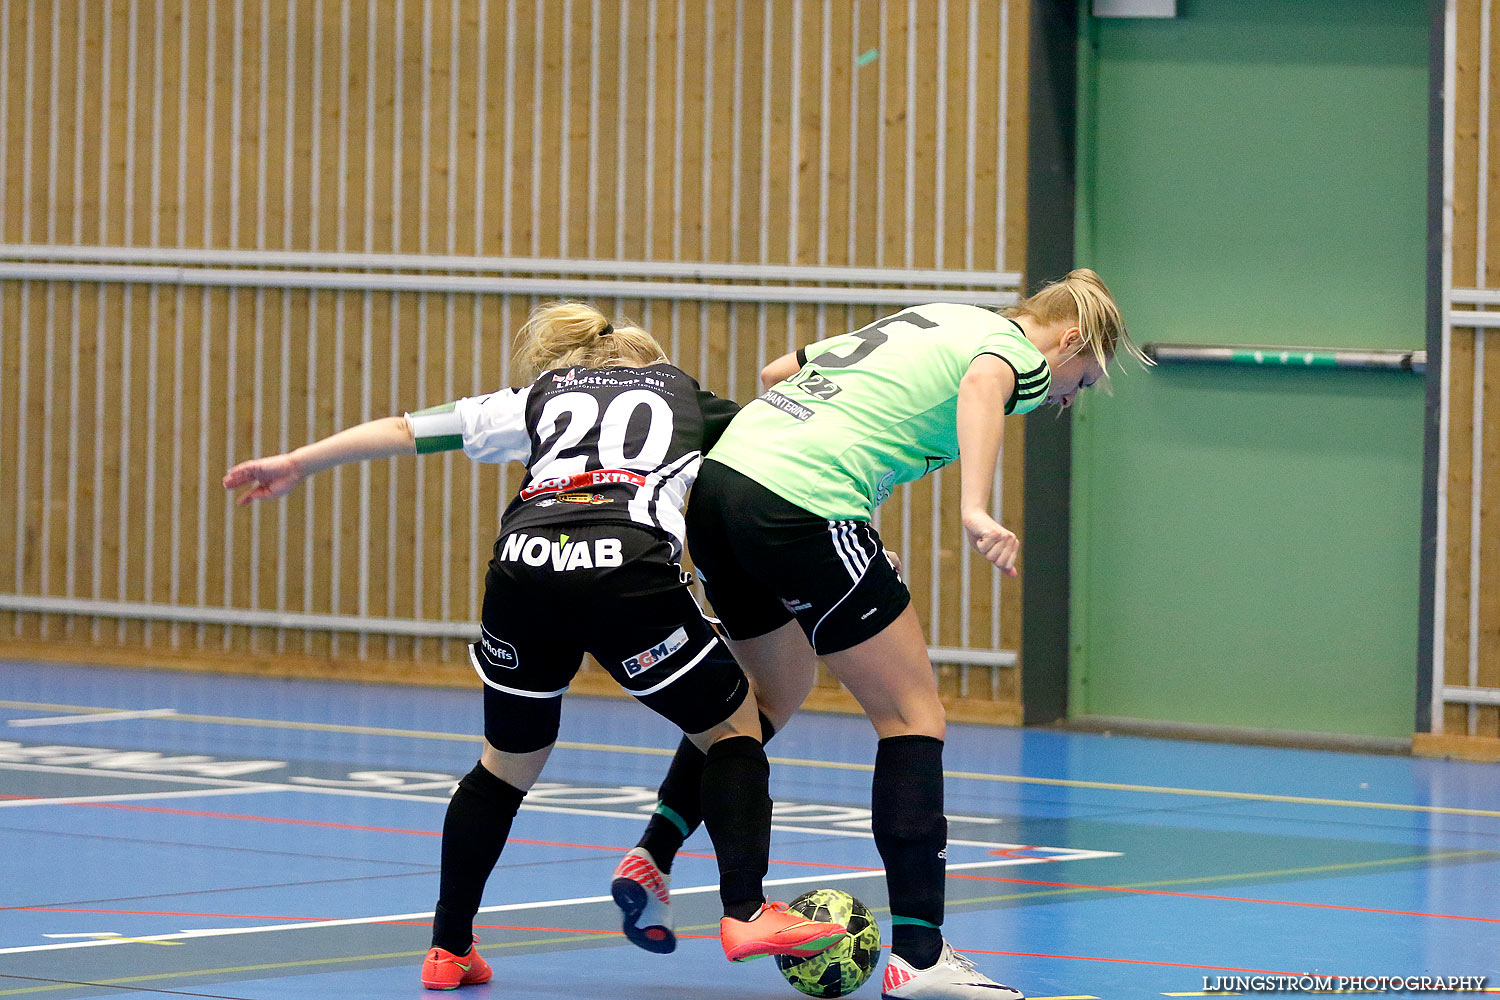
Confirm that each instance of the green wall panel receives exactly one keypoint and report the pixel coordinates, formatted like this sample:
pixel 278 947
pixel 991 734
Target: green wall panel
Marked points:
pixel 1246 542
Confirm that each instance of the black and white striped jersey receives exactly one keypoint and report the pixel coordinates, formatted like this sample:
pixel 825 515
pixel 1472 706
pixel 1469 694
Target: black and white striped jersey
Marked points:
pixel 600 444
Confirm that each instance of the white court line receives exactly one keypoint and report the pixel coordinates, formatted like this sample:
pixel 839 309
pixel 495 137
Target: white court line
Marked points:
pixel 88 934
pixel 207 932
pixel 69 720
pixel 365 793
pixel 181 779
pixel 247 787
pixel 187 793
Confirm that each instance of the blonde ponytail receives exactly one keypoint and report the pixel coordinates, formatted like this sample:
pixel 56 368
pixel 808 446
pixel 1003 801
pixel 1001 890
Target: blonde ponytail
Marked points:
pixel 1080 296
pixel 575 334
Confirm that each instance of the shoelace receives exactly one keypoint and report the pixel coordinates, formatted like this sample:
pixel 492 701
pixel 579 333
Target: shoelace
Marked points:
pixel 967 964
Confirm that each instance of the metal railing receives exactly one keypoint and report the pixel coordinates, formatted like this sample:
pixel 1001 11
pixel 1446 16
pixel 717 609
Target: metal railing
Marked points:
pixel 805 294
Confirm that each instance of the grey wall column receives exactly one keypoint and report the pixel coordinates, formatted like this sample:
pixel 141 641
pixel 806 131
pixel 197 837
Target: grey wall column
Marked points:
pixel 1436 130
pixel 1051 161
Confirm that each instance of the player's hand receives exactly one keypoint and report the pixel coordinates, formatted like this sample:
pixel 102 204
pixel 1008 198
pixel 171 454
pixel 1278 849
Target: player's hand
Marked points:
pixel 267 478
pixel 995 542
pixel 895 561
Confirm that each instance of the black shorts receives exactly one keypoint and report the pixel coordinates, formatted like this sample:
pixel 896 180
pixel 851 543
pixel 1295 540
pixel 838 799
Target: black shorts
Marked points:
pixel 764 561
pixel 612 590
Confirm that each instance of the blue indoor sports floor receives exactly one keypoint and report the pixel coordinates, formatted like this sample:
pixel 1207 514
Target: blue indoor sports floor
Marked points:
pixel 170 834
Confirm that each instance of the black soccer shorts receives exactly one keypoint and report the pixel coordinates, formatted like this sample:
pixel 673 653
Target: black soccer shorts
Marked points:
pixel 764 561
pixel 554 593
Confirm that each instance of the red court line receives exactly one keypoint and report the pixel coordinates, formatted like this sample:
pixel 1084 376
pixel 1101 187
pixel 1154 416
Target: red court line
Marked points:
pixel 809 864
pixel 255 819
pixel 605 933
pixel 1230 899
pixel 578 930
pixel 416 833
pixel 323 824
pixel 1125 961
pixel 704 937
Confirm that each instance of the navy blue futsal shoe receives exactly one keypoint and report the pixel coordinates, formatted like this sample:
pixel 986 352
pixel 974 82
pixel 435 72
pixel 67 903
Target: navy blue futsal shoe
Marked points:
pixel 641 891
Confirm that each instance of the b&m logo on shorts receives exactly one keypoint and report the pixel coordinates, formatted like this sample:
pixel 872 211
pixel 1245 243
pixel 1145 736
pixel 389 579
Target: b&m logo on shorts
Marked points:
pixel 648 658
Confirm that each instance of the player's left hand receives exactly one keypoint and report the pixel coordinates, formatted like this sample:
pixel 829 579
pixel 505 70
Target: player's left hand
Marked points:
pixel 993 540
pixel 895 561
pixel 267 477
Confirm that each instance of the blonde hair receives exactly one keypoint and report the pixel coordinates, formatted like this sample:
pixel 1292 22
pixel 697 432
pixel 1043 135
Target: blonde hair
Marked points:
pixel 568 334
pixel 1081 297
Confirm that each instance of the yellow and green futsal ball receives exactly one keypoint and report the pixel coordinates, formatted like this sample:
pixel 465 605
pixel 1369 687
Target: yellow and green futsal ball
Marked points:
pixel 843 968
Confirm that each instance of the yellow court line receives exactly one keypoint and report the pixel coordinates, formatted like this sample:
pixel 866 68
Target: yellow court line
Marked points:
pixel 329 727
pixel 1200 880
pixel 1247 796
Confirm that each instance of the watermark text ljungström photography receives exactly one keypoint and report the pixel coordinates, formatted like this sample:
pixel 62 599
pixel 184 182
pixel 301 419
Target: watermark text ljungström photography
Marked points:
pixel 1344 984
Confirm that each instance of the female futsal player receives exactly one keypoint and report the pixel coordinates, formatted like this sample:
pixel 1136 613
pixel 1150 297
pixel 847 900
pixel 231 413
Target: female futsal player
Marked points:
pixel 779 529
pixel 587 561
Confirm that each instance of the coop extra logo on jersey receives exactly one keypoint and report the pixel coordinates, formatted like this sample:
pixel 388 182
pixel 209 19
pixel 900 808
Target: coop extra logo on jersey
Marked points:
pixel 583 481
pixel 564 553
pixel 648 658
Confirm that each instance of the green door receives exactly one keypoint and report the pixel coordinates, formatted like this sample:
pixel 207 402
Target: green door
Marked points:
pixel 1246 541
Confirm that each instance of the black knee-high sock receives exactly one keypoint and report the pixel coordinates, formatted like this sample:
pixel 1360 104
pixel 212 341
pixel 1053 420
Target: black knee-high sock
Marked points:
pixel 737 812
pixel 679 809
pixel 911 834
pixel 474 833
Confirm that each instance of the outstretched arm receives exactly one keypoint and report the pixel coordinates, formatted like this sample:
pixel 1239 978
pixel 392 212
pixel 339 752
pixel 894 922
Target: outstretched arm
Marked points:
pixel 278 475
pixel 982 395
pixel 780 369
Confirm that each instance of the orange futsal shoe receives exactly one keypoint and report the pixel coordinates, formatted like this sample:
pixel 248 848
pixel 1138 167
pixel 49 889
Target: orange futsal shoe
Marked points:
pixel 443 970
pixel 775 930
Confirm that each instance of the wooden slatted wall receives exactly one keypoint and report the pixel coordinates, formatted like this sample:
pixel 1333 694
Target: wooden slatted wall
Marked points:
pixel 1466 706
pixel 863 133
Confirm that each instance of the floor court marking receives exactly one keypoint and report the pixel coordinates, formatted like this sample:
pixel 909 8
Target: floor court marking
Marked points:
pixel 497 946
pixel 427 916
pixel 113 936
pixel 1234 899
pixel 71 984
pixel 501 945
pixel 70 720
pixel 148 913
pixel 327 824
pixel 16 801
pixel 1071 888
pixel 1274 873
pixel 1064 853
pixel 796 762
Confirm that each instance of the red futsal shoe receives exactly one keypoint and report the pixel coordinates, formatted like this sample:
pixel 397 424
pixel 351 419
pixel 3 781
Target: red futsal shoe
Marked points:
pixel 776 930
pixel 443 970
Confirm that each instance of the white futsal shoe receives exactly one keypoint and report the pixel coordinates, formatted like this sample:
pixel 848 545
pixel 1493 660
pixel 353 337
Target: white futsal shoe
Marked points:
pixel 642 892
pixel 952 977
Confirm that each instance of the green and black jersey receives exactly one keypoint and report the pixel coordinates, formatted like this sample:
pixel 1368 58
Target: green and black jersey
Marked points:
pixel 875 408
